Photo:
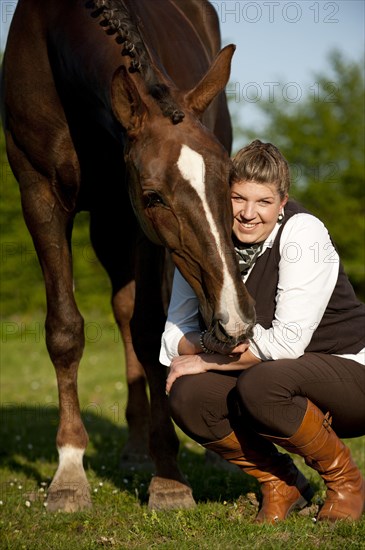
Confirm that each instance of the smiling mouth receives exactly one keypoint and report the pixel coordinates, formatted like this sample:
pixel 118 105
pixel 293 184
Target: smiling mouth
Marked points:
pixel 248 225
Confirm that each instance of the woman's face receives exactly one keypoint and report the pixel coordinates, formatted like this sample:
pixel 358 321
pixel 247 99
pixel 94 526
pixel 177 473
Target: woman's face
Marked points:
pixel 256 207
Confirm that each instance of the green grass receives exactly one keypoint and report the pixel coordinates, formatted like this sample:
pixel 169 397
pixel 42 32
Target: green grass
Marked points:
pixel 120 517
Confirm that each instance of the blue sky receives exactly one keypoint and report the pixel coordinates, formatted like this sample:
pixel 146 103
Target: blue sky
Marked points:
pixel 280 45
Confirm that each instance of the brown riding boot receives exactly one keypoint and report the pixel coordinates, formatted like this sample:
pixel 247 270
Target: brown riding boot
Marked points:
pixel 283 487
pixel 321 449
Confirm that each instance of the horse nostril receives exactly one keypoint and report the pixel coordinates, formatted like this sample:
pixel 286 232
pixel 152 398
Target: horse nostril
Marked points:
pixel 221 318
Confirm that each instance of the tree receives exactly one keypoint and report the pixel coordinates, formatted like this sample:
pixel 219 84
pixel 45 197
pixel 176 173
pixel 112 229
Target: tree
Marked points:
pixel 322 136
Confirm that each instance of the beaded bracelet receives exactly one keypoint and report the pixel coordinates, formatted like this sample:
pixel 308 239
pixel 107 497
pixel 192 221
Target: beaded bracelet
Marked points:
pixel 202 345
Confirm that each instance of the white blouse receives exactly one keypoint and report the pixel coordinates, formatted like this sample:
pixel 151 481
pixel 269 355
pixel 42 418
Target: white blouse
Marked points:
pixel 308 272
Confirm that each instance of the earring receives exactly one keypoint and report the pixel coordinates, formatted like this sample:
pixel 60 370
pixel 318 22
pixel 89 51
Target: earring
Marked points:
pixel 280 217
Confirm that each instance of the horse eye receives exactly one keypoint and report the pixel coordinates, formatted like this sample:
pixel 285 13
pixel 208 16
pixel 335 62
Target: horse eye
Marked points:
pixel 151 199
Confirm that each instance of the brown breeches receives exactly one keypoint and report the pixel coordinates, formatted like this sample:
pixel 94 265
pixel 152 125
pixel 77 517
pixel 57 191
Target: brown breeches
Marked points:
pixel 271 397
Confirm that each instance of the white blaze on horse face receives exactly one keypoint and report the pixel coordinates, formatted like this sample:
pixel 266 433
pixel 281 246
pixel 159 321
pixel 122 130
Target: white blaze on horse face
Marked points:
pixel 192 168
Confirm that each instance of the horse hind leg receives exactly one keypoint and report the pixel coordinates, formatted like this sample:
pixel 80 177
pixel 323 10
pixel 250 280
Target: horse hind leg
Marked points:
pixel 103 228
pixel 135 453
pixel 50 227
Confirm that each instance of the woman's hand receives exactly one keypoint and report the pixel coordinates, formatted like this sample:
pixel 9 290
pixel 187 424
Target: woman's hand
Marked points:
pixel 202 362
pixel 185 364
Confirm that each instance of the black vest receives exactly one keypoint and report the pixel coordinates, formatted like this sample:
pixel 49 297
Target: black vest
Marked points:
pixel 342 327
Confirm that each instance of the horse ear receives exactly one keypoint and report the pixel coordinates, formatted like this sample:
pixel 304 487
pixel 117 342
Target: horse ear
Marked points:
pixel 127 104
pixel 214 81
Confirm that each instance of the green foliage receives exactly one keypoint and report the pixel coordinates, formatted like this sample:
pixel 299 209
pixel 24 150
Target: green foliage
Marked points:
pixel 322 136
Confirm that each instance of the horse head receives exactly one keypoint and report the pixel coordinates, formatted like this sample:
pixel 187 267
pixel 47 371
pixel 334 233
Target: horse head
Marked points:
pixel 179 188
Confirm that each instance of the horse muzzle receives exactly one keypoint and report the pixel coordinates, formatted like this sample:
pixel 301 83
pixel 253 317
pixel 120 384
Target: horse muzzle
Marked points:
pixel 239 334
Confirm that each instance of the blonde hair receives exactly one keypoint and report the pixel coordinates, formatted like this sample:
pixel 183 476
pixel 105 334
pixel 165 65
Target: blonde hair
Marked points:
pixel 262 163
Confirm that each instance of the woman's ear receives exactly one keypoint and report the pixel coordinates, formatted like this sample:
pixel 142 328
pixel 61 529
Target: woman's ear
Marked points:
pixel 284 201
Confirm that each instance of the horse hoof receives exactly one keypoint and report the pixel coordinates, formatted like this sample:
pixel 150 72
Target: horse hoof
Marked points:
pixel 169 494
pixel 67 499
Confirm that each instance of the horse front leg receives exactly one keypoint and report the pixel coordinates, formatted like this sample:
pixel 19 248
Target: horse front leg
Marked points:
pixel 168 488
pixel 50 226
pixel 69 490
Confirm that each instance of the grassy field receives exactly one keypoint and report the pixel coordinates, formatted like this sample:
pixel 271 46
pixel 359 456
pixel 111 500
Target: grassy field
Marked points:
pixel 226 502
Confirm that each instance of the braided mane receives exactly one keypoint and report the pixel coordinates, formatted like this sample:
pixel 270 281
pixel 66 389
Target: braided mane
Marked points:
pixel 117 20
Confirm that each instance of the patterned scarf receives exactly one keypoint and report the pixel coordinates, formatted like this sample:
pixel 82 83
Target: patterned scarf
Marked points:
pixel 247 255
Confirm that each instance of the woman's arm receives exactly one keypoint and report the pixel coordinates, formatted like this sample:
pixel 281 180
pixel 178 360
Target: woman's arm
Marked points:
pixel 308 272
pixel 182 319
pixel 200 363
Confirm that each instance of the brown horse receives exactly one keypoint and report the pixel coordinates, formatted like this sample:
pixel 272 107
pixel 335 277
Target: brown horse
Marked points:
pixel 117 107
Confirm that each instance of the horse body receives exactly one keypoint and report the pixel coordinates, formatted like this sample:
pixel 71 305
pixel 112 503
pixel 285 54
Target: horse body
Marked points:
pixel 116 110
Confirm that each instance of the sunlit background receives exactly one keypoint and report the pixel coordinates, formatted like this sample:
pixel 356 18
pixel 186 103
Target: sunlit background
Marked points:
pixel 288 86
pixel 297 80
